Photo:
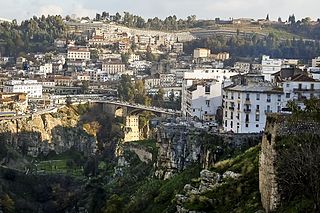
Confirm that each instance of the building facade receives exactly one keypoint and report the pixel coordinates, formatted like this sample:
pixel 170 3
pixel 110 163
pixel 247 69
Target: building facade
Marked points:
pixel 75 53
pixel 32 87
pixel 131 129
pixel 245 107
pixel 202 92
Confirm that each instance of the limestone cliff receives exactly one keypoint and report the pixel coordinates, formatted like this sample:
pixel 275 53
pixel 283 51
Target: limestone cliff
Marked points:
pixel 42 133
pixel 180 146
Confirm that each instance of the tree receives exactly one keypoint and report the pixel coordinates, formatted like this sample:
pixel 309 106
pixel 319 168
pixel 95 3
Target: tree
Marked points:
pixel 292 19
pixel 297 166
pixel 267 18
pixel 7 203
pixel 126 88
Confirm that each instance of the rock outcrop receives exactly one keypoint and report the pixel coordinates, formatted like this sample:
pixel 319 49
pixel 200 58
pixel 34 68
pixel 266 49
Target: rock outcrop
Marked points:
pixel 208 181
pixel 48 132
pixel 181 146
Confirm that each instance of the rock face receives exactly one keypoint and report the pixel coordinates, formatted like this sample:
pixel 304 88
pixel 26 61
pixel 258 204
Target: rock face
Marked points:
pixel 277 126
pixel 181 146
pixel 39 135
pixel 208 181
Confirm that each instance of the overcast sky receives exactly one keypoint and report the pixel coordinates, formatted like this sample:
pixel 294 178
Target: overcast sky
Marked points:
pixel 203 9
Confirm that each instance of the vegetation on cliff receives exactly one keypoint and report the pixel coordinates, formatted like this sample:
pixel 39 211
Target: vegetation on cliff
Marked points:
pixel 233 195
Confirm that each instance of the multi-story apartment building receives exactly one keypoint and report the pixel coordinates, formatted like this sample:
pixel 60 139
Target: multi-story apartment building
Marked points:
pixel 202 92
pixel 81 53
pixel 271 66
pixel 45 69
pixel 300 88
pixel 152 81
pixel 131 129
pixel 177 47
pixel 245 106
pixel 316 62
pixel 203 99
pixel 113 67
pixel 201 53
pixel 32 87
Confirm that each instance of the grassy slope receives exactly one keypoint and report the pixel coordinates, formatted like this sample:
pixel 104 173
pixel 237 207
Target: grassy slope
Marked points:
pixel 241 195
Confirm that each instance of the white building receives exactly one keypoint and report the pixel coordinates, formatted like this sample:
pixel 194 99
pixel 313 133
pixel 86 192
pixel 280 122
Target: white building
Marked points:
pixel 152 81
pixel 133 57
pixel 300 88
pixel 111 67
pixel 314 72
pixel 202 92
pixel 81 53
pixel 316 62
pixel 203 99
pixel 32 87
pixel 131 129
pixel 245 106
pixel 45 69
pixel 201 53
pixel 271 66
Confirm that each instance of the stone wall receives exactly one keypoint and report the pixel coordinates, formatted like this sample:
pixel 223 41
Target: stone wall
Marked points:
pixel 278 126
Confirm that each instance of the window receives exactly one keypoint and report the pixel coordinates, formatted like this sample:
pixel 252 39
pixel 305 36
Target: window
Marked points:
pixel 287 85
pixel 257 117
pixel 208 103
pixel 268 98
pixel 194 110
pixel 226 123
pixel 247 118
pixel 268 108
pixel 258 97
pixel 257 107
pixel 278 108
pixel 232 95
pixel 312 86
pixel 300 86
pixel 279 97
pixel 207 89
pixel 248 96
pixel 287 95
pixel 238 106
pixel 231 116
pixel 257 125
pixel 226 114
pixel 238 95
pixel 247 125
pixel 231 124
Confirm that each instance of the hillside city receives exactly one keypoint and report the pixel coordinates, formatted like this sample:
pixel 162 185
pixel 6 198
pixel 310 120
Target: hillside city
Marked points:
pixel 236 96
pixel 91 85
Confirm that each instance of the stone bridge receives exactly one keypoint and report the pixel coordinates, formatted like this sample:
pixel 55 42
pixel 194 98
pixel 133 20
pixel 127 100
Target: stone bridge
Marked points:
pixel 124 109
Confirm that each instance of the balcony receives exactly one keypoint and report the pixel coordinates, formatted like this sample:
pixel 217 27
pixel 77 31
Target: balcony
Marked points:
pixel 231 108
pixel 247 110
pixel 305 90
pixel 247 101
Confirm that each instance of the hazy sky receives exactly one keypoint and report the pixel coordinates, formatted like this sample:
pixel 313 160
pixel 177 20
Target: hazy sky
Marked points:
pixel 209 9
